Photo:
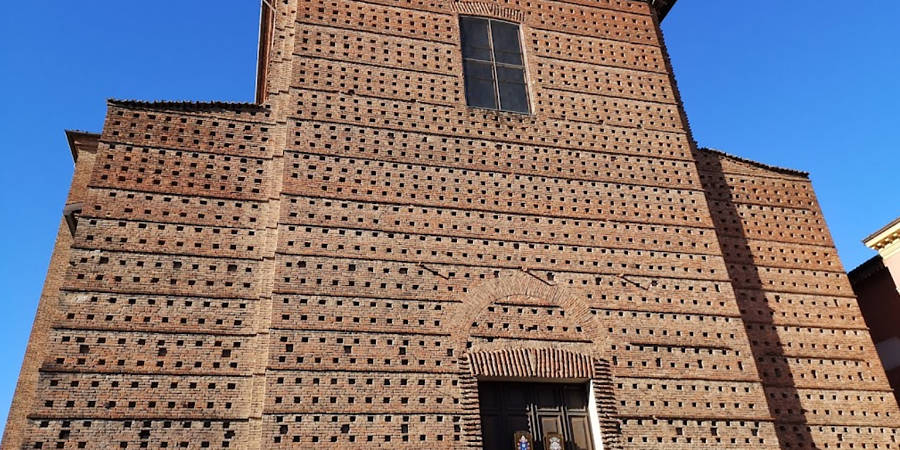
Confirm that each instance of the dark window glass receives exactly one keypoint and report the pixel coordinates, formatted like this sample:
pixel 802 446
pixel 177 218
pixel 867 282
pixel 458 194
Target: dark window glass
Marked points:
pixel 480 86
pixel 511 86
pixel 506 43
pixel 493 65
pixel 475 39
pixel 513 97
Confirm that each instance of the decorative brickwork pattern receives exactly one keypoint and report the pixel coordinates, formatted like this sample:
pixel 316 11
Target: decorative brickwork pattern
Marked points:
pixel 532 363
pixel 157 322
pixel 823 382
pixel 341 264
pixel 84 148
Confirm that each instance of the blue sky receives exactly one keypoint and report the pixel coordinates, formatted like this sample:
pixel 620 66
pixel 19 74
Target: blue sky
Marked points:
pixel 805 84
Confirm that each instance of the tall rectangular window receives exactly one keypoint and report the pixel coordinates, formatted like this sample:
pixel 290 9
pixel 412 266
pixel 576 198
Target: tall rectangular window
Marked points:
pixel 494 68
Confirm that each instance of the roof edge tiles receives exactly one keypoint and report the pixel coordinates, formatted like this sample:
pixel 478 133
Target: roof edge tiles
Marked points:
pixel 662 7
pixel 778 169
pixel 865 270
pixel 189 105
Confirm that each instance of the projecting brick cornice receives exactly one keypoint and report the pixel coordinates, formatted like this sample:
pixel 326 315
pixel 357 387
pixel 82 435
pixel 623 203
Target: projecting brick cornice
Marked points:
pixel 489 9
pixel 532 363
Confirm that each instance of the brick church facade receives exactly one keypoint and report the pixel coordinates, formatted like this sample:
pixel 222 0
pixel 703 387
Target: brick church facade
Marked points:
pixel 420 239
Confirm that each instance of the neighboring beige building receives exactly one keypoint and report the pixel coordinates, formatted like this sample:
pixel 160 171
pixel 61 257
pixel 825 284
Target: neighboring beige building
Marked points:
pixel 875 283
pixel 887 242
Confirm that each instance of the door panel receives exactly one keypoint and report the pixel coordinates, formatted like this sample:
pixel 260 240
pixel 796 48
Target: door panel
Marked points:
pixel 550 423
pixel 489 398
pixel 517 422
pixel 547 397
pixel 494 432
pixel 581 433
pixel 576 398
pixel 516 396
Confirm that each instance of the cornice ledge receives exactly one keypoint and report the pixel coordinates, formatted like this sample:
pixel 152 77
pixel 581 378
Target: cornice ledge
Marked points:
pixel 886 240
pixel 662 7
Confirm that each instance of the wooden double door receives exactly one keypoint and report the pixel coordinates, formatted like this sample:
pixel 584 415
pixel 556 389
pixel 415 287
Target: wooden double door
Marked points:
pixel 507 407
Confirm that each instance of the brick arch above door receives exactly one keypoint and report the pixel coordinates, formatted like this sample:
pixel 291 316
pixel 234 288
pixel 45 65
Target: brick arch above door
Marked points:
pixel 564 313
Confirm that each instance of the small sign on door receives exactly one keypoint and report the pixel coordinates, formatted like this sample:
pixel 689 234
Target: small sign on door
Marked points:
pixel 523 440
pixel 554 441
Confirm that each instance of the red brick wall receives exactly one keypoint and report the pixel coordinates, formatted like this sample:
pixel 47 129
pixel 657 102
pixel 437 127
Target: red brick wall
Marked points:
pixel 48 306
pixel 157 341
pixel 415 230
pixel 318 270
pixel 823 381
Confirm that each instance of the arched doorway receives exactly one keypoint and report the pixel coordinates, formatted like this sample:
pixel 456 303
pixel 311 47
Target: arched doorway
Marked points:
pixel 533 360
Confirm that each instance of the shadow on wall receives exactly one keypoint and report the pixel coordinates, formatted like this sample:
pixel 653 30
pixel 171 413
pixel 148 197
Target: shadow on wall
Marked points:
pixel 879 303
pixel 782 396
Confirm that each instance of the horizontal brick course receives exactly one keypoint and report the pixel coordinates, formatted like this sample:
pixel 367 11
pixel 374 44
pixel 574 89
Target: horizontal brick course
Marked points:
pixel 430 249
pixel 610 110
pixel 149 273
pixel 780 254
pixel 785 308
pixel 355 392
pixel 491 155
pixel 242 134
pixel 321 74
pixel 299 210
pixel 307 350
pixel 127 433
pixel 564 46
pixel 693 434
pixel 381 19
pixel 673 361
pixel 166 208
pixel 148 396
pixel 641 397
pixel 174 239
pixel 138 312
pixel 822 406
pixel 379 49
pixel 181 172
pixel 149 353
pixel 352 431
pixel 361 179
pixel 476 123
